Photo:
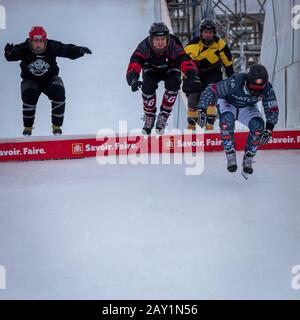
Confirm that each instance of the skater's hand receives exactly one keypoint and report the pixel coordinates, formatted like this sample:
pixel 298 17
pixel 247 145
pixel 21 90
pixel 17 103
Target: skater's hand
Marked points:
pixel 202 120
pixel 85 50
pixel 8 48
pixel 264 137
pixel 136 85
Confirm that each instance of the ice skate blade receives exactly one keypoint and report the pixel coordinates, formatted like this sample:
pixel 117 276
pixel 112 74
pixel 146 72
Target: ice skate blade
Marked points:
pixel 160 132
pixel 245 175
pixel 146 132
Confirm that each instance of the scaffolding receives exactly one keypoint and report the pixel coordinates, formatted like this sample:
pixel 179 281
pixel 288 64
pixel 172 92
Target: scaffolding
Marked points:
pixel 240 23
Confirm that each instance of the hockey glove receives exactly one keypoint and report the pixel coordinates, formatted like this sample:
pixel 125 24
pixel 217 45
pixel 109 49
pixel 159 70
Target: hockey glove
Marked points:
pixel 85 50
pixel 136 85
pixel 9 48
pixel 202 120
pixel 264 137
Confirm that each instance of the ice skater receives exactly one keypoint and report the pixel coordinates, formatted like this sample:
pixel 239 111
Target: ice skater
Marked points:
pixel 160 57
pixel 40 74
pixel 237 99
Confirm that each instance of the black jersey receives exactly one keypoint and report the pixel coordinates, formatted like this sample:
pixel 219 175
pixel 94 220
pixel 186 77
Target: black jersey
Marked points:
pixel 43 66
pixel 145 57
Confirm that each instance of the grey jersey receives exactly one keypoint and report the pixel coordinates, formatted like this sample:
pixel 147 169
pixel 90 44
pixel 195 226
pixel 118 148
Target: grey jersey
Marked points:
pixel 233 90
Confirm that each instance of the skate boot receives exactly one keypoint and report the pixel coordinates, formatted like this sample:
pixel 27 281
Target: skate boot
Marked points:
pixel 27 131
pixel 192 119
pixel 161 122
pixel 56 130
pixel 247 164
pixel 231 161
pixel 149 118
pixel 211 117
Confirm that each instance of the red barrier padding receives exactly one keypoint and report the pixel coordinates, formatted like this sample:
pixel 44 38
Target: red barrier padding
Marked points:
pixel 87 146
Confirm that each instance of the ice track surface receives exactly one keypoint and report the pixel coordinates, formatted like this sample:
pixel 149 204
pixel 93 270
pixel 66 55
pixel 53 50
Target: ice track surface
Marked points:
pixel 73 229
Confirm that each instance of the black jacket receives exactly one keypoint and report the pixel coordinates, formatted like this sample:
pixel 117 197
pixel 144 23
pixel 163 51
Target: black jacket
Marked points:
pixel 42 67
pixel 174 57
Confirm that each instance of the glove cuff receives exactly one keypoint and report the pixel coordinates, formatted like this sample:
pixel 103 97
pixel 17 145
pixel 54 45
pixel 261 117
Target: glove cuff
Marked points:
pixel 132 77
pixel 270 126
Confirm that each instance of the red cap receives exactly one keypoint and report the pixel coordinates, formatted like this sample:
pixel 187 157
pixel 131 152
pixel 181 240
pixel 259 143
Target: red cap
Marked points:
pixel 37 32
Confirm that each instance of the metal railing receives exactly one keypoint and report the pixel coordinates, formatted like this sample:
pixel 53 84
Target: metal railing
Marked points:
pixel 241 28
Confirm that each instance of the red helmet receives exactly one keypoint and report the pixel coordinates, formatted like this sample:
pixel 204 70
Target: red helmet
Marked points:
pixel 37 32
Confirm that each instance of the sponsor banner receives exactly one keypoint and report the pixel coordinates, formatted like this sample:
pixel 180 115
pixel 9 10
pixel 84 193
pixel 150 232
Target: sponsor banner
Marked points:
pixel 122 145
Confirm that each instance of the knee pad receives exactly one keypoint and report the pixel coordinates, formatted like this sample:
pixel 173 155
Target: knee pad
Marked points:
pixel 256 125
pixel 149 86
pixel 227 121
pixel 173 84
pixel 57 93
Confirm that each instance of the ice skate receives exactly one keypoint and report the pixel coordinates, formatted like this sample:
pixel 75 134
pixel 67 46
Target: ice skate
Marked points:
pixel 149 118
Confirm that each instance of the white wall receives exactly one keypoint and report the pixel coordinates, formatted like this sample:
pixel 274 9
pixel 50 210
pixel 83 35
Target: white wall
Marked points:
pixel 281 56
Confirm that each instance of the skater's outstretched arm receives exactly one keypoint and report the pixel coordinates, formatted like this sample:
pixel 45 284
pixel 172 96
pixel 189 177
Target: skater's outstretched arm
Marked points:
pixel 70 51
pixel 14 52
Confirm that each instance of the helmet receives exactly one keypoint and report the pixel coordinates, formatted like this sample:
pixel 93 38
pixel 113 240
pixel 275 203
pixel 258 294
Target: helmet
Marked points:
pixel 256 79
pixel 159 29
pixel 207 24
pixel 37 32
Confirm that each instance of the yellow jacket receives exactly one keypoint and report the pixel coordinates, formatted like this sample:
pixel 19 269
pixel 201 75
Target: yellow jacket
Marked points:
pixel 210 58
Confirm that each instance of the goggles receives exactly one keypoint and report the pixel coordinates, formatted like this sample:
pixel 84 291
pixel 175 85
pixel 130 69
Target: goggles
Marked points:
pixel 256 88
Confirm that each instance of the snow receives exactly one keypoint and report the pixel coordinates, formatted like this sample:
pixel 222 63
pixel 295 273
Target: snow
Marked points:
pixel 73 229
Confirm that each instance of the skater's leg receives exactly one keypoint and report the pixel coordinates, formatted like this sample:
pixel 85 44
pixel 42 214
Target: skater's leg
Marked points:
pixel 172 86
pixel 30 92
pixel 227 115
pixel 150 84
pixel 193 113
pixel 256 126
pixel 252 118
pixel 55 91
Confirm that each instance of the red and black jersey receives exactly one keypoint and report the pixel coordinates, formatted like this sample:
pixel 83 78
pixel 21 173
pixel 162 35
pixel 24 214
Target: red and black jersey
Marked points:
pixel 145 57
pixel 42 66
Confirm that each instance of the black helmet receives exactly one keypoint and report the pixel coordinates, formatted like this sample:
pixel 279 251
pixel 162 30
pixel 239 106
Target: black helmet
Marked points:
pixel 159 29
pixel 207 24
pixel 256 79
